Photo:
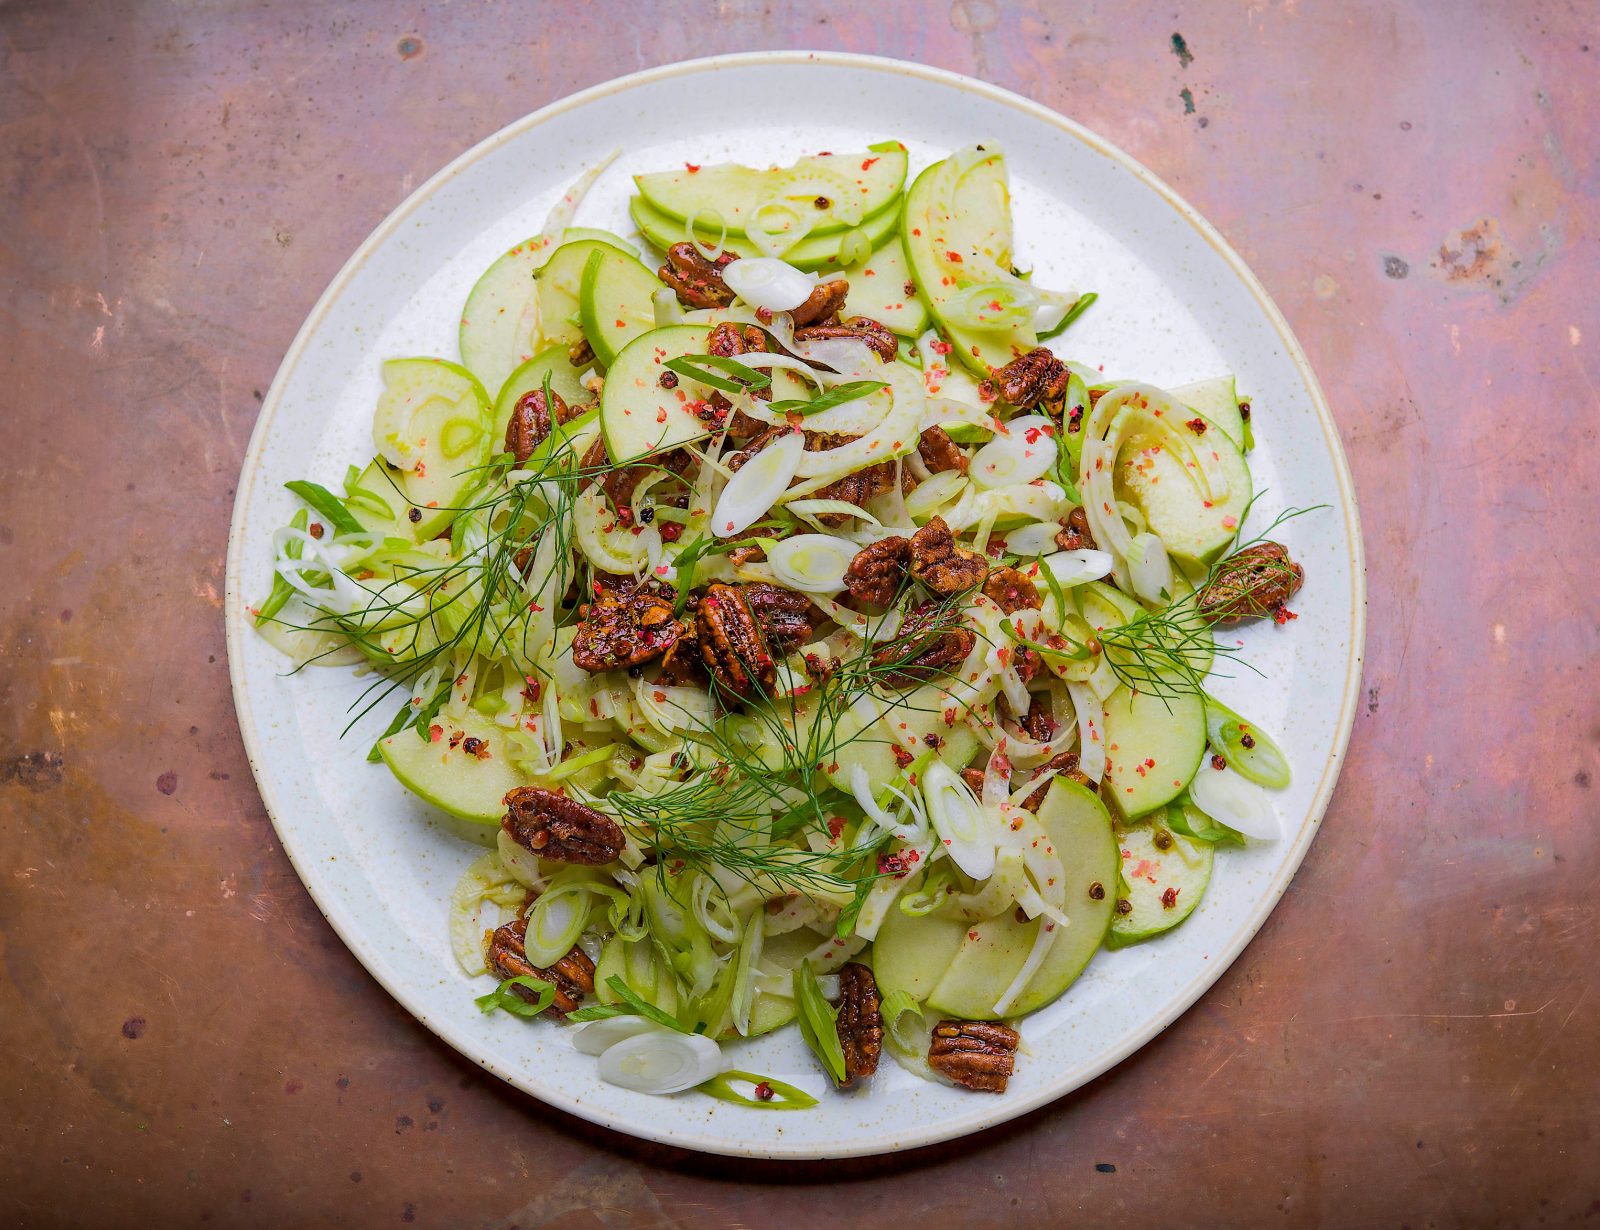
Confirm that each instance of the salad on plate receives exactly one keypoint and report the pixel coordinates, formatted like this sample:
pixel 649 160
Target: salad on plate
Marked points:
pixel 819 647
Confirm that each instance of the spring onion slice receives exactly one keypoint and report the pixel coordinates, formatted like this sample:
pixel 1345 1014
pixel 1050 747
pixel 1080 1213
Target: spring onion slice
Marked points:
pixel 660 1061
pixel 757 485
pixel 505 996
pixel 1261 761
pixel 598 1034
pixel 767 282
pixel 782 1096
pixel 818 1022
pixel 1235 801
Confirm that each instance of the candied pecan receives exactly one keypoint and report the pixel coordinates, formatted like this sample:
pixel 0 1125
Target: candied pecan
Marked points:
pixel 932 643
pixel 1251 583
pixel 1067 764
pixel 939 452
pixel 943 565
pixel 879 338
pixel 731 643
pixel 740 556
pixel 624 629
pixel 860 1022
pixel 572 976
pixel 753 446
pixel 974 779
pixel 556 827
pixel 974 1054
pixel 683 663
pixel 784 615
pixel 826 302
pixel 531 420
pixel 1039 723
pixel 877 571
pixel 729 339
pixel 1010 590
pixel 580 353
pixel 857 489
pixel 697 281
pixel 1075 535
pixel 1032 378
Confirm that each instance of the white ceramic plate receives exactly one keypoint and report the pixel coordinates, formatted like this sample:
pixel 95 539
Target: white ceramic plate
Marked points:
pixel 1176 304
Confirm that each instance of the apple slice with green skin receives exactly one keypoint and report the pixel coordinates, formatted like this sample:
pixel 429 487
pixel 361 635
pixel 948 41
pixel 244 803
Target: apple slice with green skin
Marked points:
pixel 1194 525
pixel 445 773
pixel 957 236
pixel 529 378
pixel 558 283
pixel 499 325
pixel 878 290
pixel 1165 874
pixel 963 970
pixel 1154 744
pixel 638 414
pixel 614 302
pixel 814 252
pixel 433 420
pixel 832 192
pixel 1218 400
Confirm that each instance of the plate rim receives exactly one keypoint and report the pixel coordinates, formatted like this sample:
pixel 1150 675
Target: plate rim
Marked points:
pixel 986 1115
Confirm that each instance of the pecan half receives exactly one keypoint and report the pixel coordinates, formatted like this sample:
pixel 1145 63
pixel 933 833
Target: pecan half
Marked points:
pixel 572 976
pixel 624 629
pixel 1075 535
pixel 531 421
pixel 1039 723
pixel 856 488
pixel 555 827
pixel 939 452
pixel 1032 378
pixel 930 644
pixel 731 643
pixel 877 571
pixel 826 302
pixel 697 281
pixel 879 338
pixel 1067 763
pixel 1251 583
pixel 974 779
pixel 943 565
pixel 1010 590
pixel 974 1054
pixel 729 339
pixel 860 1022
pixel 784 615
pixel 580 353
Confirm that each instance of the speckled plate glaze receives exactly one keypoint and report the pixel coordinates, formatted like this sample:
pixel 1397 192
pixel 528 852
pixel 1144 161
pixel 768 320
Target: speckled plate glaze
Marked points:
pixel 1177 304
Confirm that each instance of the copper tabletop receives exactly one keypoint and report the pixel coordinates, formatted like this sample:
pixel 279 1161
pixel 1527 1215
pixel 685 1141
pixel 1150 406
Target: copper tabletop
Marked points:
pixel 1411 1040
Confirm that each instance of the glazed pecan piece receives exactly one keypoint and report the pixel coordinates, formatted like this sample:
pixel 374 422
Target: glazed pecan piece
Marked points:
pixel 826 302
pixel 572 976
pixel 732 644
pixel 1010 590
pixel 932 643
pixel 625 628
pixel 1067 764
pixel 580 353
pixel 531 421
pixel 620 482
pixel 860 1022
pixel 726 341
pixel 1039 723
pixel 856 488
pixel 974 1054
pixel 943 565
pixel 1250 584
pixel 879 338
pixel 877 571
pixel 1031 378
pixel 939 452
pixel 1075 535
pixel 697 281
pixel 784 615
pixel 553 826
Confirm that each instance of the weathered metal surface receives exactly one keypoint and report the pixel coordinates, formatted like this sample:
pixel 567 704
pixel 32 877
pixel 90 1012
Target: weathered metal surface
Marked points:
pixel 1411 1040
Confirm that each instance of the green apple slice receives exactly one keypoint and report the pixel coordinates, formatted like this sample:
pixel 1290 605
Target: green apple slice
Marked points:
pixel 1153 747
pixel 614 301
pixel 814 252
pixel 468 784
pixel 1194 528
pixel 432 426
pixel 500 325
pixel 1165 875
pixel 878 290
pixel 558 283
pixel 638 414
pixel 1218 400
pixel 832 192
